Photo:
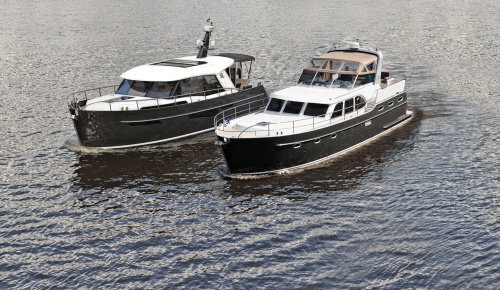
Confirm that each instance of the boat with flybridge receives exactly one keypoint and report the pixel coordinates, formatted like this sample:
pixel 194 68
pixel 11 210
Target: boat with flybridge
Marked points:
pixel 342 100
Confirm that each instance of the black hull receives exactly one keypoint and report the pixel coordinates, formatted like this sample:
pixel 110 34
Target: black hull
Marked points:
pixel 118 129
pixel 271 154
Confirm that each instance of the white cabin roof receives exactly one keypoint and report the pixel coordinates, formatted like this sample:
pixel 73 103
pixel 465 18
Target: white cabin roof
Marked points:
pixel 165 71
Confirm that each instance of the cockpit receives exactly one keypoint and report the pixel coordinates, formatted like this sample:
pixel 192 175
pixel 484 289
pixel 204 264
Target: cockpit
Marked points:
pixel 340 69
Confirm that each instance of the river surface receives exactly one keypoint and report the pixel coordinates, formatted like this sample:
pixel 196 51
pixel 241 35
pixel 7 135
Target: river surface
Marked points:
pixel 417 209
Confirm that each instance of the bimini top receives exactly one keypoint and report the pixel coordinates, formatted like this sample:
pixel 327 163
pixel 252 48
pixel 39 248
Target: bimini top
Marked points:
pixel 344 62
pixel 238 56
pixel 178 69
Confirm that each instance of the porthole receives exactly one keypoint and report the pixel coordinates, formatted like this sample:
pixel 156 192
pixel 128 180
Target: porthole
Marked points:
pixel 317 141
pixel 391 103
pixel 380 108
pixel 400 99
pixel 297 145
pixel 334 135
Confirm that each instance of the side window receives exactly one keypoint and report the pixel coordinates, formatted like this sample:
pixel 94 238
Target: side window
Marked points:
pixel 212 82
pixel 349 106
pixel 337 111
pixel 360 102
pixel 306 77
pixel 124 87
pixel 293 107
pixel 315 109
pixel 275 105
pixel 138 88
pixel 160 89
pixel 191 85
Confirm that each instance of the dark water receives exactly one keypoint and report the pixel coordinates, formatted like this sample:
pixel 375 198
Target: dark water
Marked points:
pixel 418 209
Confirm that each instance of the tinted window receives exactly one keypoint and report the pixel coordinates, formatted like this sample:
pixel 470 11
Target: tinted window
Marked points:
pixel 138 88
pixel 315 109
pixel 306 77
pixel 293 107
pixel 124 87
pixel 193 85
pixel 134 88
pixel 349 106
pixel 275 105
pixel 360 102
pixel 337 111
pixel 160 89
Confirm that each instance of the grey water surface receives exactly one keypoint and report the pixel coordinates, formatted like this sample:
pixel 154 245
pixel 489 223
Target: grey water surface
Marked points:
pixel 417 209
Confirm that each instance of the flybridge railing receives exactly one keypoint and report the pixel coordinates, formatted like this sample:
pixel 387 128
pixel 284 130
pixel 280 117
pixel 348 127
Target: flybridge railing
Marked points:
pixel 74 98
pixel 222 121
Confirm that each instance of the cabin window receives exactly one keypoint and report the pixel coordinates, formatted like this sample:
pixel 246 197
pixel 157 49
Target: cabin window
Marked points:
pixel 138 88
pixel 337 111
pixel 335 64
pixel 198 85
pixel 349 106
pixel 275 105
pixel 307 77
pixel 360 102
pixel 371 66
pixel 134 88
pixel 293 107
pixel 160 89
pixel 315 109
pixel 316 63
pixel 350 66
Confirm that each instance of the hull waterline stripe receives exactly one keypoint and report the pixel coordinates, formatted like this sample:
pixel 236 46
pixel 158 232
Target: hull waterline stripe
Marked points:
pixel 157 141
pixel 400 119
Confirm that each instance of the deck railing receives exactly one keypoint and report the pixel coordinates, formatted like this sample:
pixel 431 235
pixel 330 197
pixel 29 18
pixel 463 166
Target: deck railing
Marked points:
pixel 74 98
pixel 223 120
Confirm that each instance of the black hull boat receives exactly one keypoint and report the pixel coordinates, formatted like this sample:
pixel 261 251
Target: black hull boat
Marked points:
pixel 164 101
pixel 308 123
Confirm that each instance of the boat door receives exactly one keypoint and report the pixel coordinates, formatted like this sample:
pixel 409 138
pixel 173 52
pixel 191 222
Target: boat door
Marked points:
pixel 349 111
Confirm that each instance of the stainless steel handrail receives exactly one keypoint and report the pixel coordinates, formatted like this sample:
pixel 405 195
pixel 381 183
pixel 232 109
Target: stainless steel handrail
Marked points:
pixel 315 121
pixel 98 92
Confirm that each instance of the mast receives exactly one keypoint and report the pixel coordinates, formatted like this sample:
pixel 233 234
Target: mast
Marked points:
pixel 206 40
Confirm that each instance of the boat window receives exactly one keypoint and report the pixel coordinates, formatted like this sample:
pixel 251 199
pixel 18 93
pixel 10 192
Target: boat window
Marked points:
pixel 212 81
pixel 360 102
pixel 349 106
pixel 316 63
pixel 138 88
pixel 293 107
pixel 307 77
pixel 350 66
pixel 199 85
pixel 337 111
pixel 275 105
pixel 315 109
pixel 134 88
pixel 160 89
pixel 335 64
pixel 371 66
pixel 123 88
pixel 193 85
